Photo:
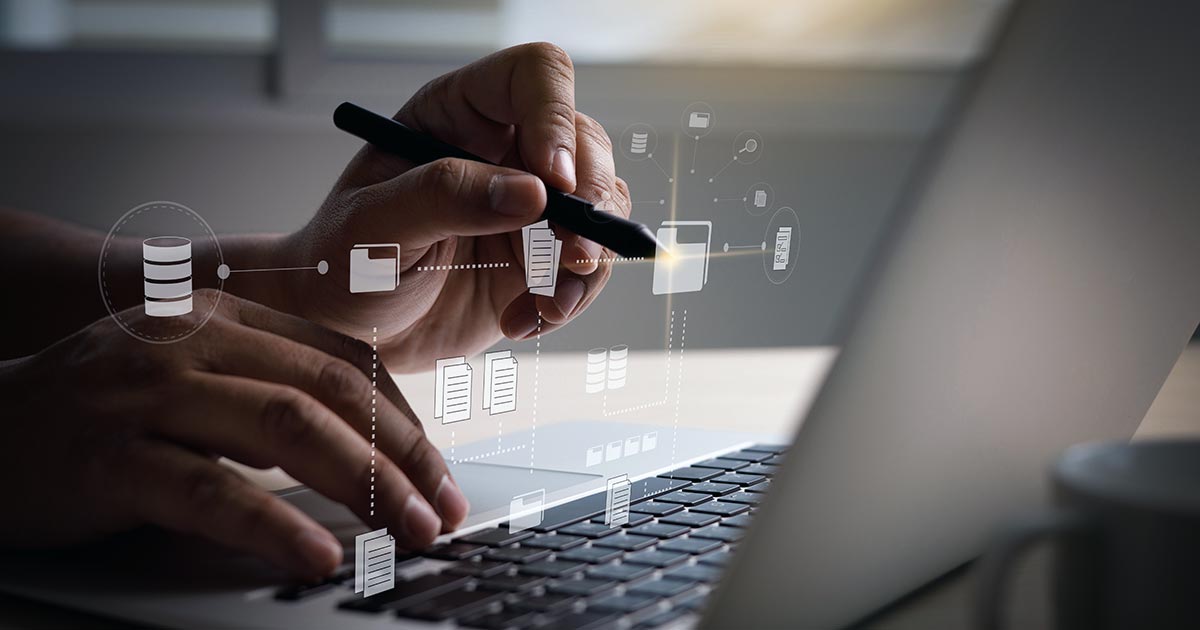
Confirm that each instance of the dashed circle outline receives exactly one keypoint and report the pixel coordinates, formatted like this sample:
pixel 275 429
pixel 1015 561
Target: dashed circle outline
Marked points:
pixel 104 249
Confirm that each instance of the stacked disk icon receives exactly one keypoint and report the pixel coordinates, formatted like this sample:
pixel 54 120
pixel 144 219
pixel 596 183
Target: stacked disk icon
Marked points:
pixel 167 267
pixel 618 356
pixel 597 365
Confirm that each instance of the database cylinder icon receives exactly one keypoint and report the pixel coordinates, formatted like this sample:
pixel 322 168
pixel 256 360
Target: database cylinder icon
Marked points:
pixel 617 358
pixel 167 267
pixel 597 366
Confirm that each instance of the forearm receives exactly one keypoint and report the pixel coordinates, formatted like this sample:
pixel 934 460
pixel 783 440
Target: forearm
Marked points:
pixel 49 274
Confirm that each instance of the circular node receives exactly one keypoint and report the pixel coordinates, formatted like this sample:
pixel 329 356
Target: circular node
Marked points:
pixel 710 180
pixel 662 201
pixel 726 247
pixel 323 267
pixel 699 118
pixel 638 142
pixel 715 200
pixel 747 147
pixel 670 180
pixel 223 271
pixel 783 231
pixel 693 171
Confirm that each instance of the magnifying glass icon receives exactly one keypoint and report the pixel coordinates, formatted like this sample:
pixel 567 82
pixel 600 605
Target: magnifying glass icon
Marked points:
pixel 751 146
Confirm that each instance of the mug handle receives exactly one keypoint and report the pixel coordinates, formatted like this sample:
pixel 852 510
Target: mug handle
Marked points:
pixel 1004 551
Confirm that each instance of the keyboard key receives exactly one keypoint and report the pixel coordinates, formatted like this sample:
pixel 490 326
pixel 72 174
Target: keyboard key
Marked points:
pixel 297 592
pixel 655 558
pixel 516 583
pixel 478 568
pixel 740 479
pixel 759 487
pixel 768 448
pixel 625 542
pixel 546 602
pixel 663 588
pixel 516 554
pixel 560 516
pixel 741 520
pixel 627 604
pixel 721 463
pixel 690 519
pixel 691 473
pixel 749 456
pixel 661 619
pixel 635 519
pixel 454 551
pixel 651 487
pixel 589 530
pixel 620 572
pixel 720 533
pixel 775 460
pixel 685 498
pixel 586 620
pixel 721 508
pixel 453 604
pixel 716 559
pixel 495 537
pixel 691 545
pixel 655 508
pixel 406 592
pixel 760 469
pixel 747 498
pixel 556 542
pixel 593 555
pixel 713 488
pixel 553 568
pixel 694 573
pixel 660 530
pixel 692 601
pixel 504 620
pixel 585 587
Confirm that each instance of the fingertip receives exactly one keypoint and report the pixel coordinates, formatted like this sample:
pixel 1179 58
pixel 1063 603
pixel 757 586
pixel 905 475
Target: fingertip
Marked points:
pixel 562 166
pixel 319 553
pixel 519 321
pixel 451 503
pixel 420 521
pixel 517 195
pixel 582 259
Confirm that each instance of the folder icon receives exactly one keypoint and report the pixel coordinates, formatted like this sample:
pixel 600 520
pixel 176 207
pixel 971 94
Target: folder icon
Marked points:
pixel 525 510
pixel 374 267
pixel 699 120
pixel 595 456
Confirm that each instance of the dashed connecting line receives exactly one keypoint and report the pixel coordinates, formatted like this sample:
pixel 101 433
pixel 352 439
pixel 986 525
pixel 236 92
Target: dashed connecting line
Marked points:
pixel 609 260
pixel 537 370
pixel 666 380
pixel 491 454
pixel 461 267
pixel 678 389
pixel 374 388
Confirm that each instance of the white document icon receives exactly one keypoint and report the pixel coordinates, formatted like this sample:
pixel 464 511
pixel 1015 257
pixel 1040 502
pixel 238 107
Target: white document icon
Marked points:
pixel 525 510
pixel 542 253
pixel 616 501
pixel 683 268
pixel 595 456
pixel 374 562
pixel 783 248
pixel 613 452
pixel 452 390
pixel 374 267
pixel 633 445
pixel 499 382
pixel 760 199
pixel 650 441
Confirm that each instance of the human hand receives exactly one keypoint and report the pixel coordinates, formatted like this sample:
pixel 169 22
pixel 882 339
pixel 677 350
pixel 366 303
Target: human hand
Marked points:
pixel 515 108
pixel 123 432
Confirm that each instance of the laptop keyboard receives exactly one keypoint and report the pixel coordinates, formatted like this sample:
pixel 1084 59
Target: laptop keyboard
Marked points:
pixel 572 570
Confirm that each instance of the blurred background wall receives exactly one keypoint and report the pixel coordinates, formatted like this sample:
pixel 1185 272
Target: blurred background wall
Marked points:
pixel 224 105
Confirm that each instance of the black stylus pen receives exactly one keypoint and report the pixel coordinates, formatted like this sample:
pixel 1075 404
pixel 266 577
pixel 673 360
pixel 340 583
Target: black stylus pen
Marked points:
pixel 627 238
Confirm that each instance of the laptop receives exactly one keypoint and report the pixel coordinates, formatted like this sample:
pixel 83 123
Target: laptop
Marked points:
pixel 1035 288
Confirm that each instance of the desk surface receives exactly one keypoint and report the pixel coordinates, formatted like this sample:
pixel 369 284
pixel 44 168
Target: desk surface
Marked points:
pixel 785 381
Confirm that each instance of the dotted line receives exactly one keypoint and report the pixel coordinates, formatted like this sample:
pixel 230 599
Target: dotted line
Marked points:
pixel 608 260
pixel 537 363
pixel 678 388
pixel 495 452
pixel 461 267
pixel 374 388
pixel 666 381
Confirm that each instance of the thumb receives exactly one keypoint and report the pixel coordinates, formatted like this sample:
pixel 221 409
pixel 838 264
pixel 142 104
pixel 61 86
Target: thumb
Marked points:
pixel 453 197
